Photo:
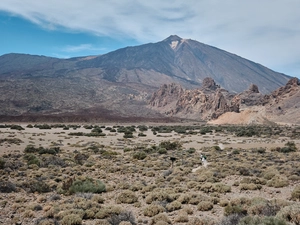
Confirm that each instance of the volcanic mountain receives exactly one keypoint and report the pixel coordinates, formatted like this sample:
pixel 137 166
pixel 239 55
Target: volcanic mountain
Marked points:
pixel 120 83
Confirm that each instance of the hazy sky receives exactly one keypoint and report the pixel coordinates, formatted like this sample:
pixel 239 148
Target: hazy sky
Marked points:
pixel 264 31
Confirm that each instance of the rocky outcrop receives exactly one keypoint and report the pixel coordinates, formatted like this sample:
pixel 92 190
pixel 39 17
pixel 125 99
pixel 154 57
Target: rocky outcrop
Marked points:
pixel 207 102
pixel 210 101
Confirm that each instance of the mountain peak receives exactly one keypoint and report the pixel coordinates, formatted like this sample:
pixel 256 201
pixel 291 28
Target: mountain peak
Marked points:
pixel 173 38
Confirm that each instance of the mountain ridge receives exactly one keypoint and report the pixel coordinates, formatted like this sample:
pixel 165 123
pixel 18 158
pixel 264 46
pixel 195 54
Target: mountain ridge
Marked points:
pixel 122 81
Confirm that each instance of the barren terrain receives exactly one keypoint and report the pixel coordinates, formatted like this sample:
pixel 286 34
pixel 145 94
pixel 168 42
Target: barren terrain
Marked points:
pixel 146 174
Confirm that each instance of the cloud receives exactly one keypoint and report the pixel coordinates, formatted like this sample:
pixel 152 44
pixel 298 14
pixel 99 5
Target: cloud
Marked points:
pixel 265 31
pixel 80 48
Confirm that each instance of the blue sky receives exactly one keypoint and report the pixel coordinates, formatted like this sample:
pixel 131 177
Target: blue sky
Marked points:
pixel 264 31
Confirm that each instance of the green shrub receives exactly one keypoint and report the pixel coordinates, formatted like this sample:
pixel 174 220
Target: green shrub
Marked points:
pixel 16 127
pixel 88 185
pixel 168 145
pixel 162 151
pixel 139 155
pixel 142 135
pixel 31 159
pixel 234 209
pixel 128 135
pixel 2 163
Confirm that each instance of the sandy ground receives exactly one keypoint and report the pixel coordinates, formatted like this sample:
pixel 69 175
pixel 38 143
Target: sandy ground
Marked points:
pixel 60 137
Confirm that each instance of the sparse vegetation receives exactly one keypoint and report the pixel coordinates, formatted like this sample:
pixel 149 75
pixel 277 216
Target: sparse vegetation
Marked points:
pixel 58 176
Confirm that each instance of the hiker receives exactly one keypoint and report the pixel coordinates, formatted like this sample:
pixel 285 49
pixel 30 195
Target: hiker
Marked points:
pixel 203 158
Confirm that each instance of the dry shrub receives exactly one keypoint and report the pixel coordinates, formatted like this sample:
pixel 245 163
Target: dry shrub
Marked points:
pixel 125 217
pixel 158 219
pixel 127 197
pixel 153 210
pixel 290 213
pixel 46 221
pixel 175 205
pixel 205 206
pixel 108 211
pixel 184 198
pixel 278 182
pixel 102 222
pixel 161 195
pixel 189 210
pixel 197 198
pixel 221 188
pixel 262 207
pixel 182 217
pixel 250 186
pixel 261 220
pixel 296 193
pixel 98 198
pixel 254 180
pixel 71 219
pixel 201 221
pixel 79 212
pixel 224 202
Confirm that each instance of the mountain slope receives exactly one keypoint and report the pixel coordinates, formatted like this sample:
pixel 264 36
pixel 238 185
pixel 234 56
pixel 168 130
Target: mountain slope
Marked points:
pixel 187 62
pixel 121 82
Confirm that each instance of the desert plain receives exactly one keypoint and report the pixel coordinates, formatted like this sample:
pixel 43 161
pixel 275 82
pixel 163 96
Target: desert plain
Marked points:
pixel 149 174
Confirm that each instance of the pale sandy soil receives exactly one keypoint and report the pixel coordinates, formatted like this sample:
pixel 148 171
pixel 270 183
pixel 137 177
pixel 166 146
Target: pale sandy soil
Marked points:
pixel 60 137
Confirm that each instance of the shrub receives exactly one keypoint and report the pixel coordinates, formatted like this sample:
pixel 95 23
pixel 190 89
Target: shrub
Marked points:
pixel 170 145
pixel 126 216
pixel 175 205
pixel 7 187
pixel 127 196
pixel 153 210
pixel 278 182
pixel 31 159
pixel 108 211
pixel 140 155
pixel 88 185
pixel 36 186
pixel 162 151
pixel 16 127
pixel 182 217
pixel 296 193
pixel 234 209
pixel 290 213
pixel 261 220
pixel 231 219
pixel 205 206
pixel 142 135
pixel 2 163
pixel 158 219
pixel 201 221
pixel 71 219
pixel 250 186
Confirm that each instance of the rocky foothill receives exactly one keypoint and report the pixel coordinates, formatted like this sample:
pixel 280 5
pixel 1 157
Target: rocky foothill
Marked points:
pixel 210 101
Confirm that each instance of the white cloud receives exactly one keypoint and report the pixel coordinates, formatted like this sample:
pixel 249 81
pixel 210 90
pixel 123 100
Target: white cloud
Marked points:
pixel 265 31
pixel 80 48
